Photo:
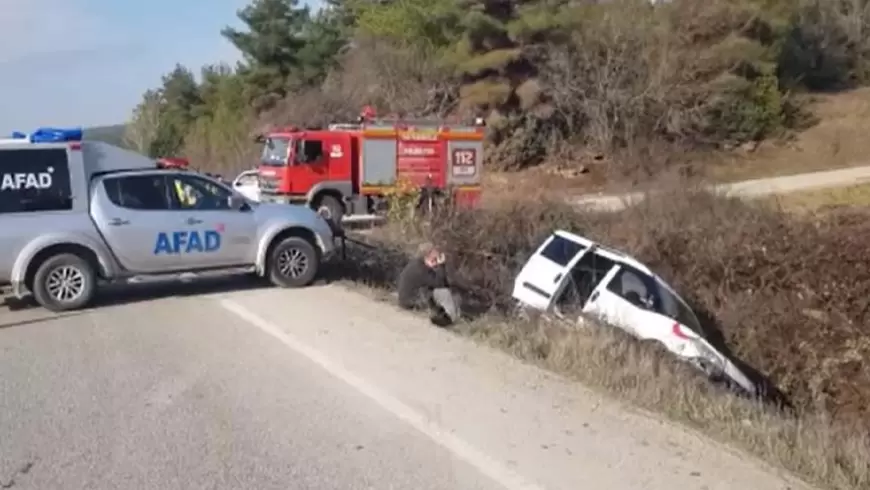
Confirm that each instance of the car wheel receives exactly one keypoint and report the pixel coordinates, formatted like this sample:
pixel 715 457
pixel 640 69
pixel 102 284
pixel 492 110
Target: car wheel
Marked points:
pixel 704 366
pixel 293 263
pixel 64 282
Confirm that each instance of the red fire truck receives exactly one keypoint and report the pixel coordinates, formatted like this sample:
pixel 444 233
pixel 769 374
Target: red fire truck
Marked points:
pixel 347 169
pixel 173 162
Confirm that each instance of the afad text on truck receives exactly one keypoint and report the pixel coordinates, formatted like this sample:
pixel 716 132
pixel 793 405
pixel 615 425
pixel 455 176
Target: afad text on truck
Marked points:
pixel 347 169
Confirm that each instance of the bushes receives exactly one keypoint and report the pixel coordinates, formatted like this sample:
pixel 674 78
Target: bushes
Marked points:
pixel 790 297
pixel 826 45
pixel 551 78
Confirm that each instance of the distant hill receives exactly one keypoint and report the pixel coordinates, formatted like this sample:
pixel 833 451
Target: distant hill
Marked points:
pixel 113 135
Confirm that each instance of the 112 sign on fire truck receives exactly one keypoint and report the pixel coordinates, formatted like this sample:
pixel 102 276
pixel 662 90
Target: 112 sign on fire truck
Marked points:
pixel 464 162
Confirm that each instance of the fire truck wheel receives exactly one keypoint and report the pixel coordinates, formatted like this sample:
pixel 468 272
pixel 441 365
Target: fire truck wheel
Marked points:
pixel 293 263
pixel 330 208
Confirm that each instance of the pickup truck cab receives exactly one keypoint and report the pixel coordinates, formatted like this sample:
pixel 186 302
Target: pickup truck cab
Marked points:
pixel 76 214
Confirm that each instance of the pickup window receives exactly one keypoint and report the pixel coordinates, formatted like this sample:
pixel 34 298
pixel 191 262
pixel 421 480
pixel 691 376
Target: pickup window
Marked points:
pixel 34 180
pixel 138 192
pixel 194 193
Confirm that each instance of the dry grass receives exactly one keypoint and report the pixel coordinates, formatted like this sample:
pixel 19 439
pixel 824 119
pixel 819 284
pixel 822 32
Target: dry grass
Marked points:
pixel 812 448
pixel 824 200
pixel 787 296
pixel 837 140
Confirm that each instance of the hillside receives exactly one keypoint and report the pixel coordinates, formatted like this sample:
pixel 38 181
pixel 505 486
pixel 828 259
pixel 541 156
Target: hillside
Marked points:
pixel 114 135
pixel 625 84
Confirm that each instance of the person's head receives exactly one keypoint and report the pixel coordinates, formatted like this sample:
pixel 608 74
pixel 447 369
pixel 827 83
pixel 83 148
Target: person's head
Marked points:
pixel 430 254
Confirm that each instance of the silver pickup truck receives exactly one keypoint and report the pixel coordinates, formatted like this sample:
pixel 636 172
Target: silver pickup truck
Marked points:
pixel 75 214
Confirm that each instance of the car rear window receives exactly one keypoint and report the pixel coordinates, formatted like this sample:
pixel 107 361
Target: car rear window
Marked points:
pixel 34 180
pixel 561 251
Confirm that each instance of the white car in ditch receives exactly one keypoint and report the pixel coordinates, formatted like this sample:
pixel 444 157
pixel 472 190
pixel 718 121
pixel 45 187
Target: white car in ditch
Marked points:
pixel 570 274
pixel 247 184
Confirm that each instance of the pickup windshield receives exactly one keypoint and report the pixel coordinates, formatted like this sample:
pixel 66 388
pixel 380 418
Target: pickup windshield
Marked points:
pixel 275 152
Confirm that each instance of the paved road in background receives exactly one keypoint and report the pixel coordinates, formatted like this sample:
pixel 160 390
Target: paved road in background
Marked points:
pixel 747 189
pixel 319 388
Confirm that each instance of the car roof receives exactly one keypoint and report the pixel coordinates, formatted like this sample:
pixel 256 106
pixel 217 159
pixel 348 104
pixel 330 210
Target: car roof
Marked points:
pixel 613 253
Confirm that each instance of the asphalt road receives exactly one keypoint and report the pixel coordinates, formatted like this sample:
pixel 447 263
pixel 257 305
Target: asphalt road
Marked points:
pixel 311 389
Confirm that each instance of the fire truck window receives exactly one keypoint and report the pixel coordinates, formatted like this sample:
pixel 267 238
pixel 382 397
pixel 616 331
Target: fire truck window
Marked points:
pixel 275 152
pixel 309 151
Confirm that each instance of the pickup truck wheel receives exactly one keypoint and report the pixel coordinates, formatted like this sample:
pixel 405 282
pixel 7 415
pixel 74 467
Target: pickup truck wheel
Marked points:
pixel 64 282
pixel 293 263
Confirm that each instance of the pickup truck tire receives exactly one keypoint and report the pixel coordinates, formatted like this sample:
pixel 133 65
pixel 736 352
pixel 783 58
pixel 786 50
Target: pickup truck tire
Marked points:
pixel 64 282
pixel 293 263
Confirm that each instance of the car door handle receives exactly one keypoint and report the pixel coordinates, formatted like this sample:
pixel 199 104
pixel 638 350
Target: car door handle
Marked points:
pixel 556 279
pixel 593 296
pixel 118 222
pixel 193 221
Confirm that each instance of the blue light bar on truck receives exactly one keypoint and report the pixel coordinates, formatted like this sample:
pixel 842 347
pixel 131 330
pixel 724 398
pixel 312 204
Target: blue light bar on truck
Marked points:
pixel 51 135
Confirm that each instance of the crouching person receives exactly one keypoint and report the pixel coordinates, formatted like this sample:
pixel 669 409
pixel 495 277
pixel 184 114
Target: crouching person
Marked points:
pixel 423 284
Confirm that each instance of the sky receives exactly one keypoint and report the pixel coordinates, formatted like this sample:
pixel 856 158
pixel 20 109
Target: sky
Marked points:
pixel 87 62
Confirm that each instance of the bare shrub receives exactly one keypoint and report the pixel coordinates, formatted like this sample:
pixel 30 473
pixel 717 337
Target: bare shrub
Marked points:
pixel 827 45
pixel 613 82
pixel 686 74
pixel 394 79
pixel 222 146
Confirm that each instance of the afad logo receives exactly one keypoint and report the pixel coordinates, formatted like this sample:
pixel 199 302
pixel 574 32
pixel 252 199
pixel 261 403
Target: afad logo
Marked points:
pixel 186 242
pixel 18 181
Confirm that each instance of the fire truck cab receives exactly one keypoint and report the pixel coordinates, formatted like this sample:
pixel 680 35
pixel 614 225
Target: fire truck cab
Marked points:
pixel 347 169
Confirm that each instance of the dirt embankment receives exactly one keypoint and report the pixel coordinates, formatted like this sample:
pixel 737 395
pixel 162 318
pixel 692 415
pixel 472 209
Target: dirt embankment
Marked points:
pixel 786 295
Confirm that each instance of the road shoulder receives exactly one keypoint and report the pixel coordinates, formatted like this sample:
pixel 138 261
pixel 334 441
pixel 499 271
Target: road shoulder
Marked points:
pixel 544 428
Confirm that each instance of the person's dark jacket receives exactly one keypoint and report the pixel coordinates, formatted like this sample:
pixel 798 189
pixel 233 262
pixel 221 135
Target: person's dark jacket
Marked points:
pixel 417 281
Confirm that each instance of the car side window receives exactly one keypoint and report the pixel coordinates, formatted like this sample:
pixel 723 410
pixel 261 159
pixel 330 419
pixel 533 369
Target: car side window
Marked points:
pixel 645 291
pixel 676 309
pixel 636 287
pixel 584 278
pixel 138 192
pixel 195 193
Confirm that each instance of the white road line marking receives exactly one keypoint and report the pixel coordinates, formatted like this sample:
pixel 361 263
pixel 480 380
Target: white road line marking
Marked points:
pixel 460 448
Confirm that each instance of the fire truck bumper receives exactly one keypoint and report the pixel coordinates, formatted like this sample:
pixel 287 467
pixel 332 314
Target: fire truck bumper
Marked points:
pixel 467 197
pixel 280 198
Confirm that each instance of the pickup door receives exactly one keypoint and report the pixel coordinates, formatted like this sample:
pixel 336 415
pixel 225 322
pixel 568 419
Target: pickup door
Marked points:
pixel 157 222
